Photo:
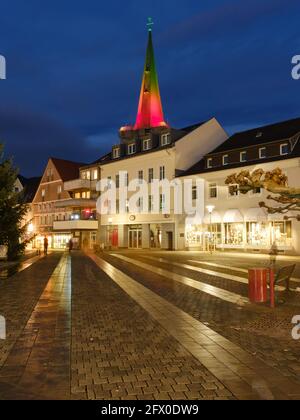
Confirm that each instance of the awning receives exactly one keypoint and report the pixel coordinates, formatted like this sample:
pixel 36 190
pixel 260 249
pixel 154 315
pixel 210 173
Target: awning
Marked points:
pixel 233 216
pixel 215 218
pixel 256 214
pixel 193 220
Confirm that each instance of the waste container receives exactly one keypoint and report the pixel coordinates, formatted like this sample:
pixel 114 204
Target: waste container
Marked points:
pixel 258 289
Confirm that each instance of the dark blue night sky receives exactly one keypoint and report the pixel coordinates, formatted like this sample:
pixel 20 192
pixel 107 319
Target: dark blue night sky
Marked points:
pixel 74 69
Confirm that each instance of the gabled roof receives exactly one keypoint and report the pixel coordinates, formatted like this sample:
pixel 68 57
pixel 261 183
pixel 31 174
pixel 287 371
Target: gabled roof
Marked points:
pixel 67 169
pixel 255 137
pixel 261 135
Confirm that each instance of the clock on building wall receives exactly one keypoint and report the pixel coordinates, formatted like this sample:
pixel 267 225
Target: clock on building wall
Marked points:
pixel 132 218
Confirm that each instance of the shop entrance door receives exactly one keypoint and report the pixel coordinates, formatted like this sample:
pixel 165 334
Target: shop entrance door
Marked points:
pixel 135 238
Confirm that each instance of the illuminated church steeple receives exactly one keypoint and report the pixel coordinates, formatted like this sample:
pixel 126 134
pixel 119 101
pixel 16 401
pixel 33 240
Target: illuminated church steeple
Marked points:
pixel 150 111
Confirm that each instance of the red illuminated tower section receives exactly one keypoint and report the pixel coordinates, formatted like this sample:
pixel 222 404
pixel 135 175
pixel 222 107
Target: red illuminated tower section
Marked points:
pixel 150 111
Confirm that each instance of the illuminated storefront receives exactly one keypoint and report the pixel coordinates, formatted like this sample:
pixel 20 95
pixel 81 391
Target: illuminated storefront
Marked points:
pixel 238 231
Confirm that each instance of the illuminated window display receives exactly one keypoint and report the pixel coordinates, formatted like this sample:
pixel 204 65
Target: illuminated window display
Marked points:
pixel 234 233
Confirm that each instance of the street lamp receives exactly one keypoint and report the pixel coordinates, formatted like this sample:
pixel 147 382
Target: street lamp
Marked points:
pixel 210 210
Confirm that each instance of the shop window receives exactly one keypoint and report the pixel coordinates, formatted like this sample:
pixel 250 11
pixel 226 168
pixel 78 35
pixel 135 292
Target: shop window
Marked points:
pixel 213 190
pixel 234 233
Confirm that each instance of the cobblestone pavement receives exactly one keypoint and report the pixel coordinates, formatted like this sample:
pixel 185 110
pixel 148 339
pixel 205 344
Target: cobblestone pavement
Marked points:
pixel 37 350
pixel 18 297
pixel 263 332
pixel 76 333
pixel 120 352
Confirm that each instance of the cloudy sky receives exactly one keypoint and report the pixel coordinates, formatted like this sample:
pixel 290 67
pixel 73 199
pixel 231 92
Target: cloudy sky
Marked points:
pixel 74 69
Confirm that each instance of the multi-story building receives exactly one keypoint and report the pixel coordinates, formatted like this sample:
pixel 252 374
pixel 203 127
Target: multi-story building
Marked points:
pixel 47 209
pixel 82 221
pixel 236 220
pixel 150 150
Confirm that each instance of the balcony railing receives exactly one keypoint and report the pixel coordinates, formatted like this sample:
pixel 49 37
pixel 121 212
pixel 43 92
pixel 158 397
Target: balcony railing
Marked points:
pixel 70 225
pixel 80 184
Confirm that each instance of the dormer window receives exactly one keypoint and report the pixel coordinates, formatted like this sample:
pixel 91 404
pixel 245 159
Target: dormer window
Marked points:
pixel 165 139
pixel 147 144
pixel 243 156
pixel 262 153
pixel 116 153
pixel 225 160
pixel 259 135
pixel 132 149
pixel 284 149
pixel 209 163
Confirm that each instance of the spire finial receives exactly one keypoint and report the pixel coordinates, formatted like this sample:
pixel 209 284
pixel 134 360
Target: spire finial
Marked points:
pixel 150 24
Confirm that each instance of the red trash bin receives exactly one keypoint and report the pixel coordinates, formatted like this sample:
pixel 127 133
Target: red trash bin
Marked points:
pixel 258 289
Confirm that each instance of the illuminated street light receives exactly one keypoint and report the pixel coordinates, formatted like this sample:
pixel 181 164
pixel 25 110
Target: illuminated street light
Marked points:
pixel 210 210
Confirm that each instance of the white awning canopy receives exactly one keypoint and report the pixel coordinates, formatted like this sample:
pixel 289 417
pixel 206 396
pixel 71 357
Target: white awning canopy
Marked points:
pixel 233 216
pixel 215 218
pixel 256 214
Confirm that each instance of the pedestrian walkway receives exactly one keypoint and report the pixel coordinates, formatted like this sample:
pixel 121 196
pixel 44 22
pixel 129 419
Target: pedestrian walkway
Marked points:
pixel 120 352
pixel 240 372
pixel 38 365
pixel 204 287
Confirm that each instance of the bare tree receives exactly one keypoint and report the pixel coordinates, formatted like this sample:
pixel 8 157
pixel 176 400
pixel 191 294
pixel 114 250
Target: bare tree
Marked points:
pixel 276 182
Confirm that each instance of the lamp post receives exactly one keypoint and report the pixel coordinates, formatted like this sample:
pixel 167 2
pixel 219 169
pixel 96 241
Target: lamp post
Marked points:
pixel 110 221
pixel 210 210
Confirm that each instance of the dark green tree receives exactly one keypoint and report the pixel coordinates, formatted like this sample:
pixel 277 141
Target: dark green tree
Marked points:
pixel 12 211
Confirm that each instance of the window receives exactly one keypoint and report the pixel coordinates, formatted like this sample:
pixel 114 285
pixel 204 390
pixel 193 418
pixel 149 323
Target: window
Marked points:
pixel 127 179
pixel 162 202
pixel 151 175
pixel 59 190
pixel 127 206
pixel 213 190
pixel 284 149
pixel 117 181
pixel 259 134
pixel 162 173
pixel 233 190
pixel 140 204
pixel 225 160
pixel 243 156
pixel 165 139
pixel 43 195
pixel 209 163
pixel 262 153
pixel 95 174
pixel 151 203
pixel 141 177
pixel 256 191
pixel 194 193
pixel 132 149
pixel 86 175
pixel 147 144
pixel 77 195
pixel 116 153
pixel 109 183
